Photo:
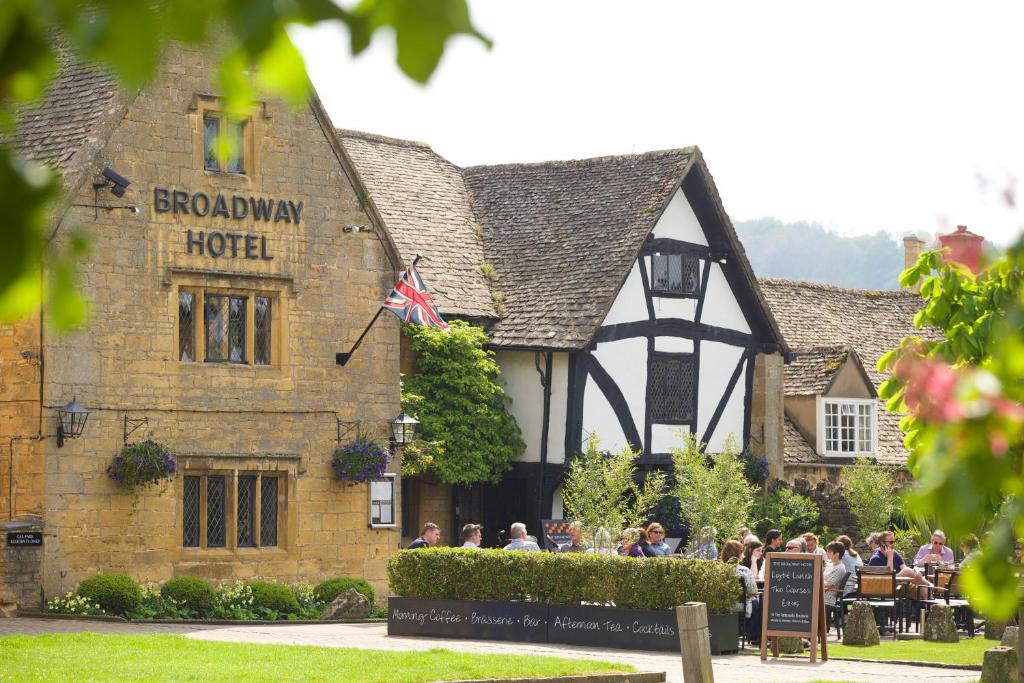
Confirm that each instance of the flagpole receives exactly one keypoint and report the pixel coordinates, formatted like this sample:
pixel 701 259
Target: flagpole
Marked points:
pixel 342 358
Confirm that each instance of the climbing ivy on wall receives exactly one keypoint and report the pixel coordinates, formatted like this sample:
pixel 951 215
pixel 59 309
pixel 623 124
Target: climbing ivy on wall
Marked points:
pixel 455 393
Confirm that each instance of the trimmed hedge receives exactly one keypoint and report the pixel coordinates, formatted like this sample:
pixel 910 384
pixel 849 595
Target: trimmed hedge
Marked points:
pixel 653 583
pixel 328 590
pixel 116 594
pixel 274 597
pixel 194 593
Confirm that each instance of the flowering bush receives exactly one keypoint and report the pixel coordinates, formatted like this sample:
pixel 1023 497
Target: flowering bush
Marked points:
pixel 73 604
pixel 359 460
pixel 142 464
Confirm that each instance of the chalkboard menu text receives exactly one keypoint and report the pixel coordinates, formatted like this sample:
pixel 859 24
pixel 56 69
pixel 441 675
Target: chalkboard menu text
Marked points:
pixel 793 604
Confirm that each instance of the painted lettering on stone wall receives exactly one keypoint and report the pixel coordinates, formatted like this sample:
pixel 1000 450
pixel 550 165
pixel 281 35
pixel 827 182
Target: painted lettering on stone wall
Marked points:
pixel 227 244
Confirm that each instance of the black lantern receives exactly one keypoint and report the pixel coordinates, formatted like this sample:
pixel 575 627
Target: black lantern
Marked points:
pixel 403 429
pixel 72 421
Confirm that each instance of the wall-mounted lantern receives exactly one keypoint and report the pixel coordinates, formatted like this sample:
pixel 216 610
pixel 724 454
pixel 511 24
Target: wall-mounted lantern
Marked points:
pixel 72 419
pixel 403 429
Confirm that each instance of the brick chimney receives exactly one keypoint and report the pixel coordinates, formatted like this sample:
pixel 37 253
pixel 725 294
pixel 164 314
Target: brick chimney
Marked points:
pixel 964 247
pixel 912 248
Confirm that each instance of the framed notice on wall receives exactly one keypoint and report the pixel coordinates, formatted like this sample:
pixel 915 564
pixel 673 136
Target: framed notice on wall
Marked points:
pixel 793 604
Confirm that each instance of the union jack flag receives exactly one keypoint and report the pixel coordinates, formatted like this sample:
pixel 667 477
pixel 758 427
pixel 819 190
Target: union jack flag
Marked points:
pixel 410 301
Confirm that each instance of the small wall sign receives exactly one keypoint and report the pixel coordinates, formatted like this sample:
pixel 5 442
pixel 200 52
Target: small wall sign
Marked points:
pixel 24 538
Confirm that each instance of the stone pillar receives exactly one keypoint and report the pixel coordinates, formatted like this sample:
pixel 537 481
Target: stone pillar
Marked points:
pixel 21 569
pixel 766 412
pixel 695 642
pixel 939 625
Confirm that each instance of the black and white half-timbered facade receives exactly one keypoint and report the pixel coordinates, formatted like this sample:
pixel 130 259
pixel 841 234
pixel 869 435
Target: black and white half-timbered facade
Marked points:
pixel 626 305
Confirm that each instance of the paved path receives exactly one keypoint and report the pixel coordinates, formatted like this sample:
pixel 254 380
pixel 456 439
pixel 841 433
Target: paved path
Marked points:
pixel 733 669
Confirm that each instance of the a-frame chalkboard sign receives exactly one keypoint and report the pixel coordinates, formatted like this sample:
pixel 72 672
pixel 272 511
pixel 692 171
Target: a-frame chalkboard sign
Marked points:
pixel 794 602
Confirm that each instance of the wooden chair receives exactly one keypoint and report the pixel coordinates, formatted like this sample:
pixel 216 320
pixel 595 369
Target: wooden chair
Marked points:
pixel 878 588
pixel 947 592
pixel 837 612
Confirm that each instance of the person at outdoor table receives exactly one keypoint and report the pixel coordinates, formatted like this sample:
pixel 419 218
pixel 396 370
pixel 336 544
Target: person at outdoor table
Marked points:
pixel 656 546
pixel 753 553
pixel 602 543
pixel 835 572
pixel 887 556
pixel 575 544
pixel 851 560
pixel 706 548
pixel 796 545
pixel 631 542
pixel 520 541
pixel 936 551
pixel 812 544
pixel 742 535
pixel 773 541
pixel 430 534
pixel 472 534
pixel 732 551
pixel 969 547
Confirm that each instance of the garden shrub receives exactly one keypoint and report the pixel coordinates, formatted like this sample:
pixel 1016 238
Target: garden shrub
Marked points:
pixel 786 510
pixel 192 592
pixel 115 594
pixel 328 590
pixel 563 578
pixel 273 597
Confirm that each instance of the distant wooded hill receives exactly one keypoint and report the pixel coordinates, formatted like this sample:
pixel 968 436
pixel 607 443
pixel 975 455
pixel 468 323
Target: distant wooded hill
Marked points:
pixel 807 251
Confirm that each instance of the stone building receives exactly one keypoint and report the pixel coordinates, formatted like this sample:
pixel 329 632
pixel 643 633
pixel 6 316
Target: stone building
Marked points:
pixel 221 288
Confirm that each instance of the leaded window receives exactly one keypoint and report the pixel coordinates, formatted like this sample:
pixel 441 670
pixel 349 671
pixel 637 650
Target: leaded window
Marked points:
pixel 255 508
pixel 225 328
pixel 849 427
pixel 234 130
pixel 261 330
pixel 186 326
pixel 216 511
pixel 671 386
pixel 190 513
pixel 268 511
pixel 675 274
pixel 246 511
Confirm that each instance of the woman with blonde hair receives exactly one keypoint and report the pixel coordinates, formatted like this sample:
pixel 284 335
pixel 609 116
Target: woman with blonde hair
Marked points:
pixel 631 539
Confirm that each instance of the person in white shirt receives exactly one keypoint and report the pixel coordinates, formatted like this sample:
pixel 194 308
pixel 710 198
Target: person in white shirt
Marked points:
pixel 520 541
pixel 812 544
pixel 472 534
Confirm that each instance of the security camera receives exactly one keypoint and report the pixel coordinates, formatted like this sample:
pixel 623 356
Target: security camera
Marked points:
pixel 120 183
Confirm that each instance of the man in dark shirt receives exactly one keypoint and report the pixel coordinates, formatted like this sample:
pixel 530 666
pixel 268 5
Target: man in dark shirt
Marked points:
pixel 575 544
pixel 886 556
pixel 430 535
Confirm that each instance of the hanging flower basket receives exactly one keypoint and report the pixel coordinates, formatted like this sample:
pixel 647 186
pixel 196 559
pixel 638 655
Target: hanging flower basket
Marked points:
pixel 139 465
pixel 360 460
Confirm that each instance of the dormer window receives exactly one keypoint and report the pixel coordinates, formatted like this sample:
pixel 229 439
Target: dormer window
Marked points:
pixel 848 427
pixel 676 275
pixel 235 130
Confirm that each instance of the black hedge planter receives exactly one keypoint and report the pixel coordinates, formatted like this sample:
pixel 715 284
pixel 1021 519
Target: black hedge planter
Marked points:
pixel 537 622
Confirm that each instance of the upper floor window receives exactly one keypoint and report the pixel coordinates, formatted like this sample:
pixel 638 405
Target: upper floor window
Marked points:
pixel 226 327
pixel 675 275
pixel 849 426
pixel 671 383
pixel 229 156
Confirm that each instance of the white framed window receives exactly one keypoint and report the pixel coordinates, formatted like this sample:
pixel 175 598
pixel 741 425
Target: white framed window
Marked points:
pixel 847 426
pixel 383 506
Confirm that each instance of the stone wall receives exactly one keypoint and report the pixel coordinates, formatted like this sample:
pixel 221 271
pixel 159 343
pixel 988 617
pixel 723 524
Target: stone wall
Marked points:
pixel 219 417
pixel 766 412
pixel 21 570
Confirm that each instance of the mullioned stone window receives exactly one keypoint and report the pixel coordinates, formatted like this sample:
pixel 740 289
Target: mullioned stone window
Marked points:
pixel 233 158
pixel 232 509
pixel 227 327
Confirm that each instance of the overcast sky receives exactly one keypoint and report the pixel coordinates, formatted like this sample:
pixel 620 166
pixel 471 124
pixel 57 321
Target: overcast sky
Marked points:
pixel 902 116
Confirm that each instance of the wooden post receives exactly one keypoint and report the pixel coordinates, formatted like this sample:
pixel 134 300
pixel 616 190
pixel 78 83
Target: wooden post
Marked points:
pixel 695 642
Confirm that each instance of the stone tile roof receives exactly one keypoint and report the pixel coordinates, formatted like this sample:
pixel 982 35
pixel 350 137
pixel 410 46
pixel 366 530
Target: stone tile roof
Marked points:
pixel 795 446
pixel 542 225
pixel 810 372
pixel 814 315
pixel 423 201
pixel 66 127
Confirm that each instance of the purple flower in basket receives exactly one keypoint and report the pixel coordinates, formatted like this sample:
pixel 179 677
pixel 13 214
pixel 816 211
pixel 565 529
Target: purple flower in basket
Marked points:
pixel 142 464
pixel 359 460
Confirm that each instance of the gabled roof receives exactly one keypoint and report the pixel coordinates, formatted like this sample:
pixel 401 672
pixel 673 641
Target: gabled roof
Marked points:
pixel 563 235
pixel 72 121
pixel 812 372
pixel 423 201
pixel 814 315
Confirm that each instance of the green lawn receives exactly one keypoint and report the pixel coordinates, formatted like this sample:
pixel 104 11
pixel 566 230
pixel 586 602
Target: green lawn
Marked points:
pixel 95 657
pixel 967 651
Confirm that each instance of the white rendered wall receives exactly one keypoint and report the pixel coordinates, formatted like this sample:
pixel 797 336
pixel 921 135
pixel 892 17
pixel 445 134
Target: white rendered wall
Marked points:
pixel 717 363
pixel 629 305
pixel 626 362
pixel 678 222
pixel 522 384
pixel 557 508
pixel 600 419
pixel 720 306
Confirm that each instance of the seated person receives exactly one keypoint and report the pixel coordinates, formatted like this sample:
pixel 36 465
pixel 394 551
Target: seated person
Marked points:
pixel 969 547
pixel 935 552
pixel 631 540
pixel 575 544
pixel 520 541
pixel 835 571
pixel 886 556
pixel 706 549
pixel 656 546
pixel 851 560
pixel 732 552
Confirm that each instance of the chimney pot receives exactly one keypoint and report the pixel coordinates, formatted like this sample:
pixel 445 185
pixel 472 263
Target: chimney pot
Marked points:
pixel 964 246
